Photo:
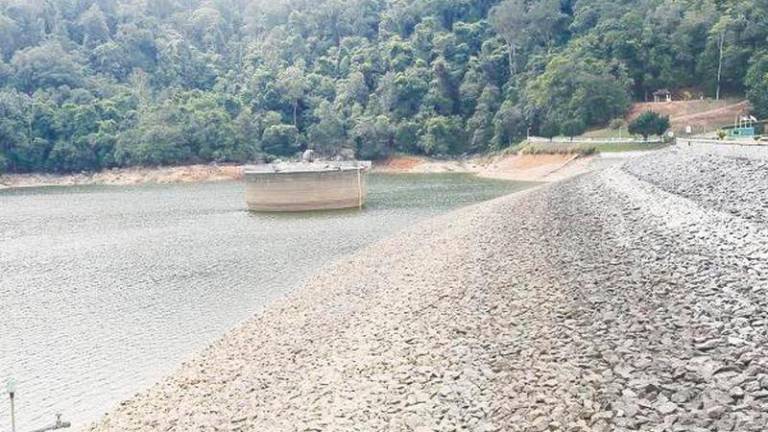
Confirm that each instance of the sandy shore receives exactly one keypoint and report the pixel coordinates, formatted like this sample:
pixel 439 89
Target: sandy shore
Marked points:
pixel 512 167
pixel 633 298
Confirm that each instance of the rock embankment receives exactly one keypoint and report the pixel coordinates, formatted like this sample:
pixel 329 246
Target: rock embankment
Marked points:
pixel 626 299
pixel 736 186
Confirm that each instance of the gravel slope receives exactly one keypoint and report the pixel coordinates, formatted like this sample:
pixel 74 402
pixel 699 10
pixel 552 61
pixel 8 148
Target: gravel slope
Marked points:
pixel 619 300
pixel 736 186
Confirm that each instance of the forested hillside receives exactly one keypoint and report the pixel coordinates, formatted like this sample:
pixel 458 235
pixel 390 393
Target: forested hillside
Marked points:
pixel 92 84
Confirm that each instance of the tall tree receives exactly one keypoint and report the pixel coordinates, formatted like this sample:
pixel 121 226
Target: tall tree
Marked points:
pixel 509 19
pixel 292 84
pixel 93 24
pixel 719 32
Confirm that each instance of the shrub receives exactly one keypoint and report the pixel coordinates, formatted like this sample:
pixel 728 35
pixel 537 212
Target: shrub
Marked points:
pixel 443 135
pixel 617 123
pixel 649 123
pixel 281 140
pixel 533 149
pixel 573 127
pixel 373 137
pixel 549 129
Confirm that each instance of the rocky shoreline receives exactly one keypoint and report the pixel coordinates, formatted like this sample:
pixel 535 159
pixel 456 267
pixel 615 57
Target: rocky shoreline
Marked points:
pixel 632 298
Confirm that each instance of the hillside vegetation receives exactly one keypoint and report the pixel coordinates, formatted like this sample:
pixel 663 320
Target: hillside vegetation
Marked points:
pixel 92 84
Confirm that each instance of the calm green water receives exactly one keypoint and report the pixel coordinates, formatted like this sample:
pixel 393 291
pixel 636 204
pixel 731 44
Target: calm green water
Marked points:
pixel 103 290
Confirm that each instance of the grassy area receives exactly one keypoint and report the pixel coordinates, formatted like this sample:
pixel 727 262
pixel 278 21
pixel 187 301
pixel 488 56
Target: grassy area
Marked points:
pixel 608 133
pixel 584 148
pixel 556 148
pixel 622 147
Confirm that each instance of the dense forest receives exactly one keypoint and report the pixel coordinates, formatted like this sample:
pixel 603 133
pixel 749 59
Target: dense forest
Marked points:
pixel 93 84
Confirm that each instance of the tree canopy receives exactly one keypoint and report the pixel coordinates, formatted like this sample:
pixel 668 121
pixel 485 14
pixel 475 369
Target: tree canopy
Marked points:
pixel 649 123
pixel 93 84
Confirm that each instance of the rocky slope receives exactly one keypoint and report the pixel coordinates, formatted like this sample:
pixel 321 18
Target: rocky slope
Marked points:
pixel 626 299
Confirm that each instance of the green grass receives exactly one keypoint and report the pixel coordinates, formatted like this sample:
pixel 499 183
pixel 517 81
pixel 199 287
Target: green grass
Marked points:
pixel 556 148
pixel 585 148
pixel 622 147
pixel 608 133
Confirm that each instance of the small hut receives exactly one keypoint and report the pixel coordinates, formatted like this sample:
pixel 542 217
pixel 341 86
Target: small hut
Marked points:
pixel 662 95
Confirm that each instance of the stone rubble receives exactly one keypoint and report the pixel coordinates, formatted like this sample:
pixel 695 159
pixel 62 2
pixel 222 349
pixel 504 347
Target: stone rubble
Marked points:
pixel 630 299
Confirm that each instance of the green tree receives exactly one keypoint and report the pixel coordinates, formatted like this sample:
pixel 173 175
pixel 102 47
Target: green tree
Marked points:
pixel 292 83
pixel 719 33
pixel 328 136
pixel 15 149
pixel 649 123
pixel 93 24
pixel 509 126
pixel 9 33
pixel 550 128
pixel 572 127
pixel 45 66
pixel 373 137
pixel 572 86
pixel 281 140
pixel 410 87
pixel 756 83
pixel 248 134
pixel 154 144
pixel 480 126
pixel 443 136
pixel 509 19
pixel 407 136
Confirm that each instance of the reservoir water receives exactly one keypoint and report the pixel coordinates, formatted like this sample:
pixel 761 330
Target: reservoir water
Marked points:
pixel 106 289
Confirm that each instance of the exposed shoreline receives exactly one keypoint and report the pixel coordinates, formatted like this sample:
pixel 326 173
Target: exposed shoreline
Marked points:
pixel 627 299
pixel 539 168
pixel 127 176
